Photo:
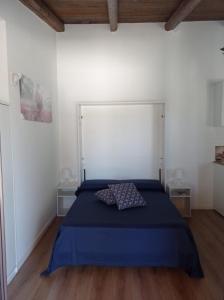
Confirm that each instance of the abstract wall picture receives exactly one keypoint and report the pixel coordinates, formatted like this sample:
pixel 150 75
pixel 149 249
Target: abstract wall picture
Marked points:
pixel 35 102
pixel 219 154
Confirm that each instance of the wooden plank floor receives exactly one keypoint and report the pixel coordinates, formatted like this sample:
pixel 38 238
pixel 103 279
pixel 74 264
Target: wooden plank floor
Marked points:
pixel 92 283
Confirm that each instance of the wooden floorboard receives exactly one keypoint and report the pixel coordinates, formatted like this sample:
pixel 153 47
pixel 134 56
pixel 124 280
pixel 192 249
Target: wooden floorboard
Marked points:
pixel 92 283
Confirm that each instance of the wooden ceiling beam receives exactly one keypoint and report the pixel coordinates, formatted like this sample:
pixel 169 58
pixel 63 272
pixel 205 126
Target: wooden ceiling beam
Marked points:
pixel 42 10
pixel 113 14
pixel 183 10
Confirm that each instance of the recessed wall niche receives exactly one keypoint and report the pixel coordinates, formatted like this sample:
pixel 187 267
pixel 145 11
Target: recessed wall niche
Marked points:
pixel 215 114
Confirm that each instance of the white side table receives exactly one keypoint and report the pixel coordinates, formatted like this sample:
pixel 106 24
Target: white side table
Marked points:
pixel 181 198
pixel 65 199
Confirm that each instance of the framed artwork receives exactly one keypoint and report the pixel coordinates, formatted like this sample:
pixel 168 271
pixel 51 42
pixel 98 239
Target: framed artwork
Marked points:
pixel 35 102
pixel 219 154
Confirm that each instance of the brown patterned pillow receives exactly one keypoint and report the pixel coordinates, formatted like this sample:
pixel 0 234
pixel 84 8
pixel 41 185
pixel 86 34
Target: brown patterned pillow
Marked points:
pixel 106 196
pixel 126 195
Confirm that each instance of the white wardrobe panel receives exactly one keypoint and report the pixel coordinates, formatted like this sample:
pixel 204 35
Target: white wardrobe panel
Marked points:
pixel 122 141
pixel 4 81
pixel 8 189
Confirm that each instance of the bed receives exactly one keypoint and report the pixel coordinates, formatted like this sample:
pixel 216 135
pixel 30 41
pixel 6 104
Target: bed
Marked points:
pixel 93 233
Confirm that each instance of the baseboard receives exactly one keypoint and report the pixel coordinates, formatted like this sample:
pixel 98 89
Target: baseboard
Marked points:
pixel 31 248
pixel 203 206
pixel 11 275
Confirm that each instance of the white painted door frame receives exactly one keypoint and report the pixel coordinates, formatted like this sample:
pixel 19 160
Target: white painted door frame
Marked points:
pixel 3 270
pixel 79 128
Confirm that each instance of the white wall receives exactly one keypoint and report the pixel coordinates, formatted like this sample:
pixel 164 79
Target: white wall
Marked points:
pixel 143 62
pixel 97 65
pixel 31 51
pixel 193 58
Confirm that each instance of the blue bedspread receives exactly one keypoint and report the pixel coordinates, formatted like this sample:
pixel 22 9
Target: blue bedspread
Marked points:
pixel 93 233
pixel 88 211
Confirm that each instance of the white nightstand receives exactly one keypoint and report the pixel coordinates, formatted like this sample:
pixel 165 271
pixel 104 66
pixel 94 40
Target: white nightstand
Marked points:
pixel 65 198
pixel 180 195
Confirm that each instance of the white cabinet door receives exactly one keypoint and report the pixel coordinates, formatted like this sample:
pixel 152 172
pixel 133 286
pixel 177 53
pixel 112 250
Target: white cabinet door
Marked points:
pixel 4 84
pixel 7 189
pixel 122 141
pixel 219 188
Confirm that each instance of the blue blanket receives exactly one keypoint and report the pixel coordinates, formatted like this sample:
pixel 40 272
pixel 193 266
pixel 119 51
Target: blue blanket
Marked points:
pixel 88 211
pixel 93 233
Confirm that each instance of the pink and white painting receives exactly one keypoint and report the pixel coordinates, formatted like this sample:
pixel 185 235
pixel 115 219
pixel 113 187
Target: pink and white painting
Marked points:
pixel 35 101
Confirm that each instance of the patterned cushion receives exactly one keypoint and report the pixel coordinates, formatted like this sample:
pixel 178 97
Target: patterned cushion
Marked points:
pixel 106 196
pixel 126 195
